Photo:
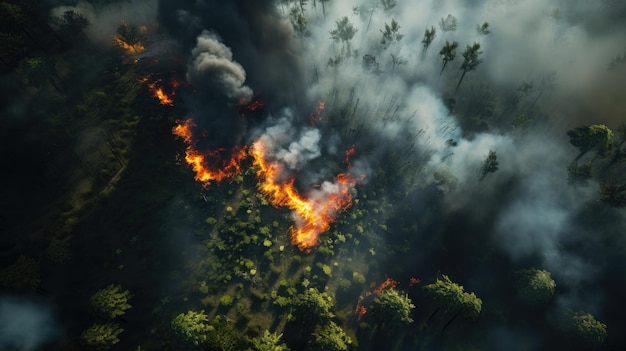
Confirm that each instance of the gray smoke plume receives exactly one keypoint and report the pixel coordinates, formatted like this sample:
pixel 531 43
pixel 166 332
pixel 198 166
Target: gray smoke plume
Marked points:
pixel 393 101
pixel 24 324
pixel 289 145
pixel 212 66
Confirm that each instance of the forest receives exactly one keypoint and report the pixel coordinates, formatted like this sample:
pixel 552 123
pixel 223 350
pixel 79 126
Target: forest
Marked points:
pixel 324 175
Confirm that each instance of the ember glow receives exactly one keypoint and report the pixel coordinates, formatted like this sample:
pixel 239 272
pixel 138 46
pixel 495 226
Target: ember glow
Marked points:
pixel 361 306
pixel 256 106
pixel 313 214
pixel 157 91
pixel 134 49
pixel 316 116
pixel 209 166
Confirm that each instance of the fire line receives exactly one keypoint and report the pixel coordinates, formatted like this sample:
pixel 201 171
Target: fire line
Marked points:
pixel 312 214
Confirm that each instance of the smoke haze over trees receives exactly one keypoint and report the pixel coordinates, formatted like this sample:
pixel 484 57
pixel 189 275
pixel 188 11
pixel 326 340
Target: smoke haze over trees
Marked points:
pixel 443 138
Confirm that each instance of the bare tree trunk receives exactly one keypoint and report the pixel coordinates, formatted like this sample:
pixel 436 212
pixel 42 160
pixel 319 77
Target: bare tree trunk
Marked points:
pixel 450 321
pixel 460 80
pixel 443 67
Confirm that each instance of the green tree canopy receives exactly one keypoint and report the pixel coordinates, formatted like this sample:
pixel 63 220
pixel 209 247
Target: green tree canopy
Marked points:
pixel 453 299
pixel 130 34
pixel 490 165
pixel 269 342
pixel 344 30
pixel 429 36
pixel 613 195
pixel 72 22
pixel 582 329
pixel 193 327
pixel 470 60
pixel 101 336
pixel 534 286
pixel 483 29
pixel 36 71
pixel 390 308
pixel 448 53
pixel 391 33
pixel 111 301
pixel 330 337
pixel 448 24
pixel 315 305
pixel 593 137
pixel 22 275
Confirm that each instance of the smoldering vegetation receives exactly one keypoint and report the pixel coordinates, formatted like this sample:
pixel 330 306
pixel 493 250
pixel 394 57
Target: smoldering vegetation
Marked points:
pixel 462 119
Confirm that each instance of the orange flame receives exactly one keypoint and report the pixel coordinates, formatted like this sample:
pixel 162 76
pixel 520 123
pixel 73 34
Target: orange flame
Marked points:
pixel 313 214
pixel 351 151
pixel 414 281
pixel 137 48
pixel 164 99
pixel 361 309
pixel 210 166
pixel 316 116
pixel 255 106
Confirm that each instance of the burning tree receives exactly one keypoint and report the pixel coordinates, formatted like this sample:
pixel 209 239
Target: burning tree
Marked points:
pixel 130 36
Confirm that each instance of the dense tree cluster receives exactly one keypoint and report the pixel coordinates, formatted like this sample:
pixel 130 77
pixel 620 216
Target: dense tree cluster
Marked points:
pixel 192 327
pixel 452 299
pixel 534 286
pixel 109 152
pixel 101 336
pixel 391 308
pixel 111 301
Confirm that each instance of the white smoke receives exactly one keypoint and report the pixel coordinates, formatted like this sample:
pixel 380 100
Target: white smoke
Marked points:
pixel 212 64
pixel 293 147
pixel 401 102
pixel 25 325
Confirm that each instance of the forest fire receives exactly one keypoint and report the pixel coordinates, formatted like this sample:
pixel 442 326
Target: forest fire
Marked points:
pixel 157 91
pixel 255 107
pixel 313 214
pixel 361 306
pixel 209 166
pixel 131 49
pixel 316 116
